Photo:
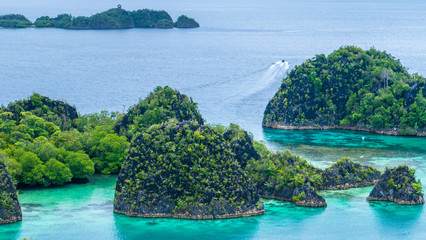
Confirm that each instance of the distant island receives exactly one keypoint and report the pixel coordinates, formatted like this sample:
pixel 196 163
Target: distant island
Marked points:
pixel 115 18
pixel 186 22
pixel 350 89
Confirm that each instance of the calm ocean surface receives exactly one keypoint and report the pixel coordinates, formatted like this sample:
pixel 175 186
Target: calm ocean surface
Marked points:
pixel 227 66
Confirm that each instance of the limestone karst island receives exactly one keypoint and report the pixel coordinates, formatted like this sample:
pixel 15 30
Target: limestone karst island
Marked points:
pixel 114 18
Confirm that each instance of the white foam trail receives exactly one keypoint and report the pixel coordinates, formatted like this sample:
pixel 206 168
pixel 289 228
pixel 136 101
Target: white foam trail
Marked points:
pixel 275 72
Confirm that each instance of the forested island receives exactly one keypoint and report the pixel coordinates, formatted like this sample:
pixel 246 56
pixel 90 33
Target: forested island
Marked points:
pixel 350 89
pixel 184 170
pixel 115 18
pixel 170 162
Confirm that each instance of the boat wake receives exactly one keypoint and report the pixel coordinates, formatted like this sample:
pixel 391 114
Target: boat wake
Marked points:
pixel 275 72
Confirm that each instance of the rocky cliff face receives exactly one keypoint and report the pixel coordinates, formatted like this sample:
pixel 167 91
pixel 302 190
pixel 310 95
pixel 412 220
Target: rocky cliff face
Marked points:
pixel 398 185
pixel 345 174
pixel 10 209
pixel 184 170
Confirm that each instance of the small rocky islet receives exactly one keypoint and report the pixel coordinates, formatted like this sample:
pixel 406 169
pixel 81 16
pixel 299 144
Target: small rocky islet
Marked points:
pixel 114 18
pixel 345 174
pixel 398 185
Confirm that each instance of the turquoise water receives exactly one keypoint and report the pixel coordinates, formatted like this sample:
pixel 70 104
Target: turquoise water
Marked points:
pixel 85 211
pixel 225 67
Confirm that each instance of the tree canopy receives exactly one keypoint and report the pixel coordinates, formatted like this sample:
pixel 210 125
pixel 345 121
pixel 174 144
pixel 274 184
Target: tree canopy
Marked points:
pixel 351 87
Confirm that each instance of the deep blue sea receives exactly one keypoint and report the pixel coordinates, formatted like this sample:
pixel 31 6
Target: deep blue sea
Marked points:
pixel 231 67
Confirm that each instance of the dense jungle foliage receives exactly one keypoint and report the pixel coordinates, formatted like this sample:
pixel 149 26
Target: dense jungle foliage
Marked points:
pixel 345 173
pixel 282 169
pixel 14 21
pixel 61 21
pixel 351 88
pixel 183 168
pixel 45 142
pixel 159 106
pixel 114 18
pixel 120 18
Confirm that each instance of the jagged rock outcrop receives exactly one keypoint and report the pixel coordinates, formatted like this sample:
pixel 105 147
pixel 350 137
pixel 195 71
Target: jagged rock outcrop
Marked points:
pixel 10 209
pixel 398 185
pixel 184 170
pixel 345 173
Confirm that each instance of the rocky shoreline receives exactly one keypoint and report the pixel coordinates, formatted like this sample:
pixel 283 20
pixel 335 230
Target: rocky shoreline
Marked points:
pixel 11 220
pixel 402 202
pixel 194 217
pixel 301 203
pixel 348 186
pixel 352 128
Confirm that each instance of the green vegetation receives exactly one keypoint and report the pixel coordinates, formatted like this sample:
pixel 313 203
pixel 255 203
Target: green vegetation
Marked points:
pixel 45 142
pixel 351 88
pixel 110 19
pixel 14 21
pixel 61 21
pixel 146 18
pixel 399 185
pixel 54 111
pixel 184 169
pixel 186 22
pixel 161 105
pixel 407 178
pixel 287 177
pixel 282 169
